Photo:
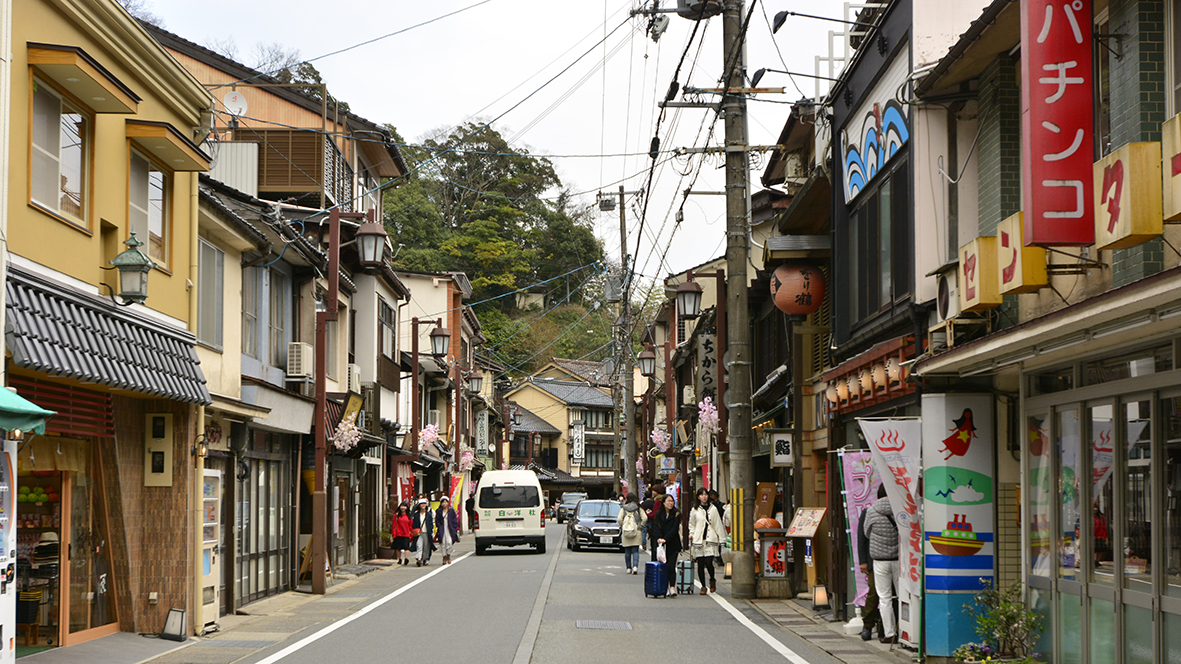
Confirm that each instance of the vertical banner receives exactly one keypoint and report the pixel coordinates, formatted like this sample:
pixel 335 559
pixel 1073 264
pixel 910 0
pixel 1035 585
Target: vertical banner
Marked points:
pixel 578 442
pixel 1057 149
pixel 861 489
pixel 483 446
pixel 958 495
pixel 707 367
pixel 895 445
pixel 457 494
pixel 406 489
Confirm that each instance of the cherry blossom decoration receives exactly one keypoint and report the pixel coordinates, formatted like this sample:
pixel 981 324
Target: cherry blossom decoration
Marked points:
pixel 347 434
pixel 708 414
pixel 660 439
pixel 428 434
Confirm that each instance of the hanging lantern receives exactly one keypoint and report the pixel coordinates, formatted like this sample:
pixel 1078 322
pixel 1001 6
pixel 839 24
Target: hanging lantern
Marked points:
pixel 865 380
pixel 797 290
pixel 895 371
pixel 854 386
pixel 879 376
pixel 831 393
pixel 842 389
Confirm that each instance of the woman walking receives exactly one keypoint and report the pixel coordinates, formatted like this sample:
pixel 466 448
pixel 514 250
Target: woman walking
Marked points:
pixel 705 538
pixel 666 530
pixel 631 524
pixel 446 528
pixel 424 526
pixel 400 528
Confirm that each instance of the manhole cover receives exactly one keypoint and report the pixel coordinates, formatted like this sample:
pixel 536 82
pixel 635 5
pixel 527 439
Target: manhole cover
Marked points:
pixel 604 624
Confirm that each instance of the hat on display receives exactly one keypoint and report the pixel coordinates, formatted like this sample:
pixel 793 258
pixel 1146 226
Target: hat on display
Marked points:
pixel 49 538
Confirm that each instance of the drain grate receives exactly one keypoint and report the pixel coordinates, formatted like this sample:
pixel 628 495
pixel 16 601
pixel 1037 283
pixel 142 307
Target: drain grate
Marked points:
pixel 604 624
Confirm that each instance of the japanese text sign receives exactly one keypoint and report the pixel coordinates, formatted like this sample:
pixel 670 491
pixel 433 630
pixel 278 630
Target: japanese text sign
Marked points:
pixel 979 283
pixel 1056 122
pixel 707 367
pixel 578 442
pixel 1128 196
pixel 1022 268
pixel 1171 165
pixel 896 448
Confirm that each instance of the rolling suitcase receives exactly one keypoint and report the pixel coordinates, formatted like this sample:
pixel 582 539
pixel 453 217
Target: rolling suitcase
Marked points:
pixel 655 580
pixel 685 577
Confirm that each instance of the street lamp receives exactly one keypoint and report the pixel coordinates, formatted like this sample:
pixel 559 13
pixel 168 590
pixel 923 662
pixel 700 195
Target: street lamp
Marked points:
pixel 689 299
pixel 647 360
pixel 370 239
pixel 475 381
pixel 133 266
pixel 758 75
pixel 440 338
pixel 517 417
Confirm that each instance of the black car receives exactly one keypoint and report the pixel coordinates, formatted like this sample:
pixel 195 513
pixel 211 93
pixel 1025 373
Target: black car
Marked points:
pixel 569 502
pixel 594 523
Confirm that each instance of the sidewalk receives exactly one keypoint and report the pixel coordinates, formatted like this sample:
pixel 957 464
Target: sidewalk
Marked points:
pixel 829 636
pixel 258 625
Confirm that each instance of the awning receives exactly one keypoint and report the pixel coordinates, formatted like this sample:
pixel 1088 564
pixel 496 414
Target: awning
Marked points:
pixel 16 412
pixel 59 331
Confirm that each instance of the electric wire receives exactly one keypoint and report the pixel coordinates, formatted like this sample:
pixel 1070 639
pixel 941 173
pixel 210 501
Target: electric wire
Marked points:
pixel 504 295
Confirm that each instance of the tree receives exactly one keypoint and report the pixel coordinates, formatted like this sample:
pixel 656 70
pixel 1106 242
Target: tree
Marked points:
pixel 141 11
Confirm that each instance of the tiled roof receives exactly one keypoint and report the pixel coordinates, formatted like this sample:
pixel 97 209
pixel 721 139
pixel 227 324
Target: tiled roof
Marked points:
pixel 593 372
pixel 531 423
pixel 56 330
pixel 576 394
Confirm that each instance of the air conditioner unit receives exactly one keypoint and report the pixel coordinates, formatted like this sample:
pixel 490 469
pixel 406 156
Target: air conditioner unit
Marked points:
pixel 354 379
pixel 435 417
pixel 947 298
pixel 300 360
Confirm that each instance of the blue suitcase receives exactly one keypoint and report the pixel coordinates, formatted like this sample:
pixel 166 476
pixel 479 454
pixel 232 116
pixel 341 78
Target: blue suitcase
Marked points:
pixel 655 580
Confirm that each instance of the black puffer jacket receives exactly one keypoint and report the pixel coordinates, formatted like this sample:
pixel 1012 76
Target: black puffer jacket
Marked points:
pixel 667 526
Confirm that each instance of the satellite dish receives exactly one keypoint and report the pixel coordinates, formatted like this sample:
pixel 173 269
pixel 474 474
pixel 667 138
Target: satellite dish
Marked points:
pixel 235 103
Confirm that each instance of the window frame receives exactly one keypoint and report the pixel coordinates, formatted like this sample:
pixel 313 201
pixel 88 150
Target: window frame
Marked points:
pixel 218 306
pixel 250 314
pixel 387 328
pixel 166 225
pixel 277 318
pixel 64 98
pixel 866 245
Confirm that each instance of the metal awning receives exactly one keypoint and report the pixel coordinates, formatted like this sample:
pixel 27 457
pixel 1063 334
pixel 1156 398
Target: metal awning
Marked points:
pixel 59 331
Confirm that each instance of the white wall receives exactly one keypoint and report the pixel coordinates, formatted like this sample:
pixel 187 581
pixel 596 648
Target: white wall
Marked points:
pixel 938 25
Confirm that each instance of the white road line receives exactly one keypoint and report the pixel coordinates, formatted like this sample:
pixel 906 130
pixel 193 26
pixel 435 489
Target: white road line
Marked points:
pixel 529 638
pixel 788 654
pixel 312 638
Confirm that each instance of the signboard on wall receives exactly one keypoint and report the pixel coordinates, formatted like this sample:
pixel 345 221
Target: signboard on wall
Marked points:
pixel 578 442
pixel 876 131
pixel 707 366
pixel 1128 202
pixel 1057 122
pixel 482 443
pixel 1022 269
pixel 979 283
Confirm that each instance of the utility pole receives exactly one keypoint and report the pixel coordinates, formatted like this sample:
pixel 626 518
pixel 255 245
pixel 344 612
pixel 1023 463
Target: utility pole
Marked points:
pixel 629 402
pixel 738 362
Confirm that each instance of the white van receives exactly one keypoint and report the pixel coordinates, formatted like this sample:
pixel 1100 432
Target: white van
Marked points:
pixel 509 510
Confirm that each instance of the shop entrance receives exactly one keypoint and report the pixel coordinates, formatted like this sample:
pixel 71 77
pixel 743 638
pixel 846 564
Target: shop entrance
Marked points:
pixel 66 591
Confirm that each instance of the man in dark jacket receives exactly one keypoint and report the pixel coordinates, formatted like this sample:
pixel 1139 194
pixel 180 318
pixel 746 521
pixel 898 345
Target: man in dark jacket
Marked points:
pixel 882 531
pixel 869 613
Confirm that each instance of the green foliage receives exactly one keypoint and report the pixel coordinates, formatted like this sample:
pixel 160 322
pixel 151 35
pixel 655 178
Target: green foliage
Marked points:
pixel 479 210
pixel 1007 628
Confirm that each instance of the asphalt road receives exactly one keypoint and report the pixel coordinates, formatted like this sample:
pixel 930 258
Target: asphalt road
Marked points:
pixel 514 606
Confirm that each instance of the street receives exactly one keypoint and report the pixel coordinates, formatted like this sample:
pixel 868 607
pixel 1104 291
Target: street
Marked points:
pixel 510 606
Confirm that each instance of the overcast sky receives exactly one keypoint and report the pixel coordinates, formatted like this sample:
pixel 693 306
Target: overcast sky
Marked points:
pixel 481 62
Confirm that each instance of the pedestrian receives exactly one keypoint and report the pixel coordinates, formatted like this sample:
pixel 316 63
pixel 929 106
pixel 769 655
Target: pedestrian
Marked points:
pixel 424 528
pixel 706 533
pixel 649 507
pixel 400 529
pixel 631 523
pixel 870 616
pixel 883 548
pixel 666 530
pixel 446 528
pixel 713 498
pixel 470 507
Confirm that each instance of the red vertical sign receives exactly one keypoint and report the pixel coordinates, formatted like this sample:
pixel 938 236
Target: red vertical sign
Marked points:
pixel 1057 144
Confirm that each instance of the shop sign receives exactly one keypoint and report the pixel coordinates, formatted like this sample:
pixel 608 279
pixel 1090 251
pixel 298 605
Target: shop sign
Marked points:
pixel 1056 122
pixel 1022 268
pixel 780 443
pixel 876 131
pixel 1128 200
pixel 578 442
pixel 775 559
pixel 707 366
pixel 482 446
pixel 958 497
pixel 1171 166
pixel 895 445
pixel 979 281
pixel 861 490
pixel 668 465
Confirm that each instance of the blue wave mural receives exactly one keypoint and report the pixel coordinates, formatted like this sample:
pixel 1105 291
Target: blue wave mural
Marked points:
pixel 883 133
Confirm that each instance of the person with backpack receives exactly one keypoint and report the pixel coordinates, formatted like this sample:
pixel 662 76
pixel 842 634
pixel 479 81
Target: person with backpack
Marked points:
pixel 706 534
pixel 632 521
pixel 883 548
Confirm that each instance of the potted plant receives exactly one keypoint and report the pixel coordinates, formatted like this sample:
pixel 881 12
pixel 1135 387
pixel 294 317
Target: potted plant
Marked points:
pixel 385 550
pixel 1007 629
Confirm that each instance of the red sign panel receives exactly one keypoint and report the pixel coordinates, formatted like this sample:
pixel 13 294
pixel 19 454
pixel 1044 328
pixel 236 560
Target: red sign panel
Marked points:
pixel 1057 146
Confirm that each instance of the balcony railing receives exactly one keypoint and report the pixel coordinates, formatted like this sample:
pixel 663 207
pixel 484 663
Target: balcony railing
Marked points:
pixel 292 161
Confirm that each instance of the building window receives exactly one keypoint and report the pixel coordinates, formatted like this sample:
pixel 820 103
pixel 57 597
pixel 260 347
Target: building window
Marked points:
pixel 877 252
pixel 387 328
pixel 250 295
pixel 278 319
pixel 596 419
pixel 60 138
pixel 210 291
pixel 1173 59
pixel 147 205
pixel 599 457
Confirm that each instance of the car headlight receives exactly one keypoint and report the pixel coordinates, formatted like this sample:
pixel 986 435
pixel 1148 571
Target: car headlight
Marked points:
pixel 582 529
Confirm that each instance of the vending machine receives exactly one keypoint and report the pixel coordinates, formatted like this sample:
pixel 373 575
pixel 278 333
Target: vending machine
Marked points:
pixel 8 551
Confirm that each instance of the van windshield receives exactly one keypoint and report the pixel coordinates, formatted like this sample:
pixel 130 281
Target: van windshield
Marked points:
pixel 496 497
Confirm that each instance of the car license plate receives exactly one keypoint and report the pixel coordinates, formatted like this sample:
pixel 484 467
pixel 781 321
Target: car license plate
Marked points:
pixel 604 539
pixel 510 524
